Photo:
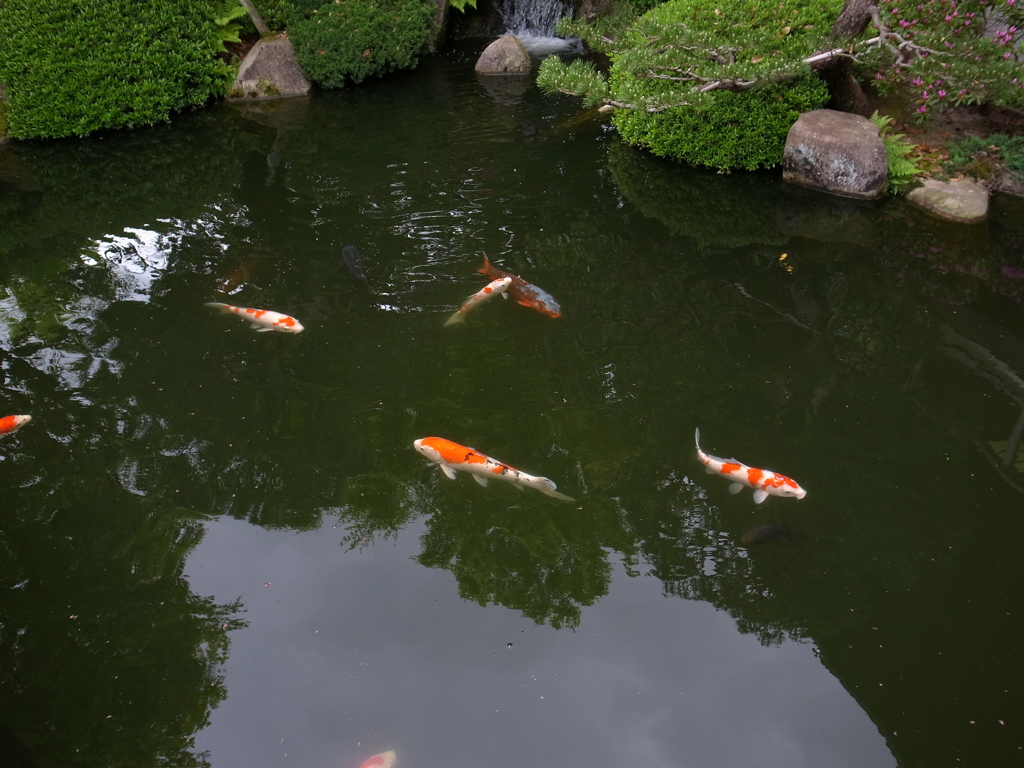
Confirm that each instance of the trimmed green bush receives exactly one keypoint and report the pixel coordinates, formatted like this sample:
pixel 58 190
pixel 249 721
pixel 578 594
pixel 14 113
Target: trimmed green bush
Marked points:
pixel 337 43
pixel 753 40
pixel 716 83
pixel 74 68
pixel 731 130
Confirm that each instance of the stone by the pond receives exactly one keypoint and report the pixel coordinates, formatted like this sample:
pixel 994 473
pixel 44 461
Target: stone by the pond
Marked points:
pixel 964 200
pixel 269 71
pixel 836 152
pixel 505 56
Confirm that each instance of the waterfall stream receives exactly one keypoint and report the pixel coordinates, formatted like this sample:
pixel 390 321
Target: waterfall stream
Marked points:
pixel 533 21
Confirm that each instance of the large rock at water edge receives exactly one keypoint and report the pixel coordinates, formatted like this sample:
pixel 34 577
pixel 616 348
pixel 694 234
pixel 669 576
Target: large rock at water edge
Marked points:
pixel 964 200
pixel 505 56
pixel 836 152
pixel 269 71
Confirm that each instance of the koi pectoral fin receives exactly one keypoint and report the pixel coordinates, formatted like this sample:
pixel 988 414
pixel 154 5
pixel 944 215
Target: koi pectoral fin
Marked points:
pixel 735 488
pixel 260 328
pixel 760 495
pixel 448 471
pixel 481 480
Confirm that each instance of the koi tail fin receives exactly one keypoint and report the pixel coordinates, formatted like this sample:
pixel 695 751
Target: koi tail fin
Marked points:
pixel 696 437
pixel 486 268
pixel 224 308
pixel 547 487
pixel 557 495
pixel 458 317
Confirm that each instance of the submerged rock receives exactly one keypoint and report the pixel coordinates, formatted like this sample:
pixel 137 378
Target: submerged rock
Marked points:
pixel 838 153
pixel 765 533
pixel 964 200
pixel 505 56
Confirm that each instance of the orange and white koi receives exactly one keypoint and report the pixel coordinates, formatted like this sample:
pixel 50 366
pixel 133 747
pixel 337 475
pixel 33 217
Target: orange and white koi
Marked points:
pixel 11 424
pixel 764 482
pixel 489 291
pixel 527 294
pixel 383 760
pixel 452 456
pixel 261 319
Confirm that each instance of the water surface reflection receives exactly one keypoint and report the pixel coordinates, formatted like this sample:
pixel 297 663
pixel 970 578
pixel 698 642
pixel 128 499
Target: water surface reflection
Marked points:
pixel 219 546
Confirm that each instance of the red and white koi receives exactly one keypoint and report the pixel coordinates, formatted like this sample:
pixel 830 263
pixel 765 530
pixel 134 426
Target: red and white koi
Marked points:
pixel 527 294
pixel 452 456
pixel 11 424
pixel 489 291
pixel 262 320
pixel 764 482
pixel 383 760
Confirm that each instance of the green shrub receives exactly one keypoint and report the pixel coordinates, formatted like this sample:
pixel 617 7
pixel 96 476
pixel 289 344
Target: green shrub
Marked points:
pixel 74 68
pixel 707 82
pixel 337 43
pixel 733 130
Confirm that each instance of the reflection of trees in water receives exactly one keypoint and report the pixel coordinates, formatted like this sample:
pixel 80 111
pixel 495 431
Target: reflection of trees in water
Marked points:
pixel 531 557
pixel 757 350
pixel 108 657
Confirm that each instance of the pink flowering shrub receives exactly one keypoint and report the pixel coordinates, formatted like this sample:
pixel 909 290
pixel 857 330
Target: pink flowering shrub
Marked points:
pixel 950 52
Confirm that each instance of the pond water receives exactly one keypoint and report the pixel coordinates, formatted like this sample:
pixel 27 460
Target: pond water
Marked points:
pixel 219 547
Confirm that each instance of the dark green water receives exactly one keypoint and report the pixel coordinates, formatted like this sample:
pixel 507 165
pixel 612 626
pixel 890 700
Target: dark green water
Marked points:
pixel 219 547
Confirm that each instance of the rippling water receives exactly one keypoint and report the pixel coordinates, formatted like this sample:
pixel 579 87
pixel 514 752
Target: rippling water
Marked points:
pixel 219 547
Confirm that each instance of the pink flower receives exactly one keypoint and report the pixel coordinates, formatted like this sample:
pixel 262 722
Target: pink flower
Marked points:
pixel 941 94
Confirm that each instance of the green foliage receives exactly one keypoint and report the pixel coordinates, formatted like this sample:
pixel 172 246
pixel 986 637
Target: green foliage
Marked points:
pixel 1010 149
pixel 734 130
pixel 337 43
pixel 461 5
pixel 225 29
pixel 273 12
pixel 578 77
pixel 708 83
pixel 100 64
pixel 901 168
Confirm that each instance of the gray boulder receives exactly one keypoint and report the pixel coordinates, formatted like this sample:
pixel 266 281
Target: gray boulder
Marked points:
pixel 269 71
pixel 505 56
pixel 964 200
pixel 838 153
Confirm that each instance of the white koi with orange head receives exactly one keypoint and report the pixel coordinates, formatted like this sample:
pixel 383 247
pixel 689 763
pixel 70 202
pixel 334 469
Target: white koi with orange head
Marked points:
pixel 262 320
pixel 764 482
pixel 383 760
pixel 452 456
pixel 11 424
pixel 489 291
